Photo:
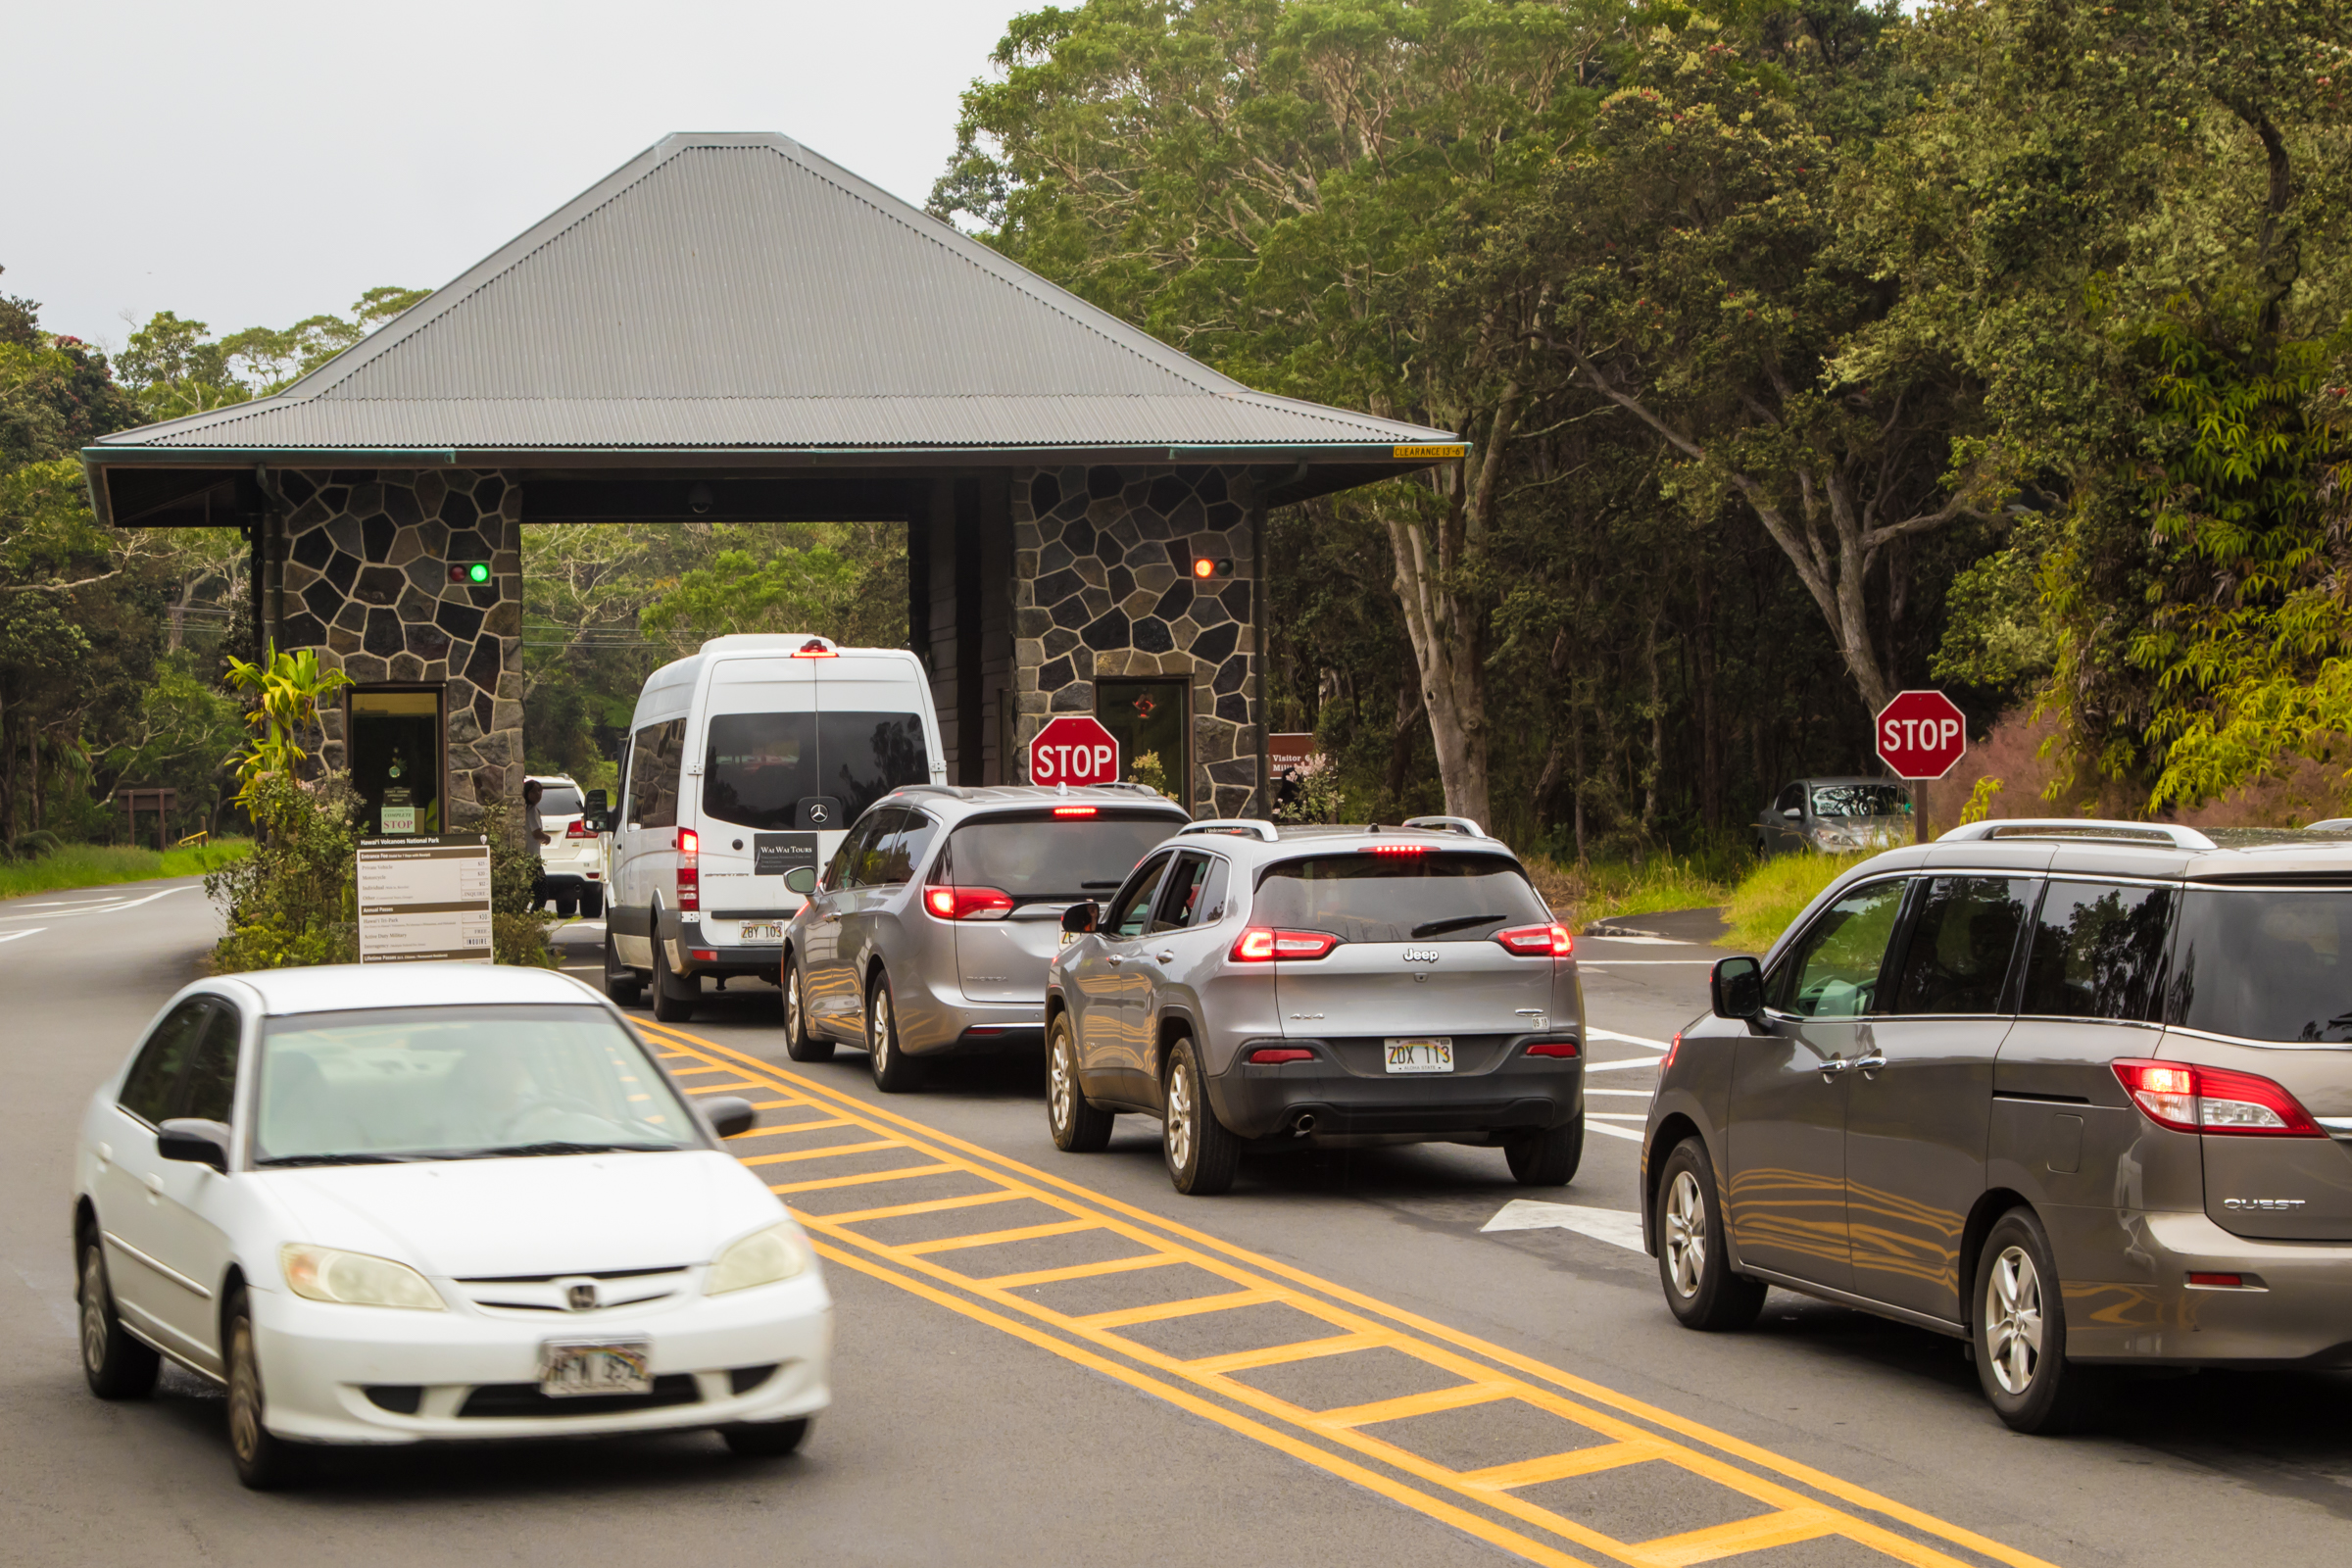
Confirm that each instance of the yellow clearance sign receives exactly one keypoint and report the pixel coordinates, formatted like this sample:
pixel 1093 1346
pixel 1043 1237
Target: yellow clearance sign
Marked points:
pixel 1429 452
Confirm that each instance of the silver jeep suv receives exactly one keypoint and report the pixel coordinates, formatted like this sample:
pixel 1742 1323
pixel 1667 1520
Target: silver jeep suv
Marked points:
pixel 930 930
pixel 1280 987
pixel 2076 1093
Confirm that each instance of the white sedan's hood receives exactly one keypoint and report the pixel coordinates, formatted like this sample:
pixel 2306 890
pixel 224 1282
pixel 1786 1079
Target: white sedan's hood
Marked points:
pixel 550 1214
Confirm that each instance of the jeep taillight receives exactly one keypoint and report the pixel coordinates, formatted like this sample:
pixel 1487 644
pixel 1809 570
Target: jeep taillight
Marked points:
pixel 2190 1099
pixel 1265 945
pixel 1536 941
pixel 967 904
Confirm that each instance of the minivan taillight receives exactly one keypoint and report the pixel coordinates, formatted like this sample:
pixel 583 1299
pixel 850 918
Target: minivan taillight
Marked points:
pixel 967 904
pixel 2189 1099
pixel 1536 941
pixel 690 870
pixel 578 829
pixel 1264 945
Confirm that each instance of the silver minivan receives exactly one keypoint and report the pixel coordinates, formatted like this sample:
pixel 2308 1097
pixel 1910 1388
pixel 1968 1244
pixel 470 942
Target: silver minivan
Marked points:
pixel 2077 1093
pixel 934 921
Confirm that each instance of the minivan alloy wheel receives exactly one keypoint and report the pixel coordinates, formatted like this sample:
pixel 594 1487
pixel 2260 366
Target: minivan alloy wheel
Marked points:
pixel 2013 1320
pixel 1686 1233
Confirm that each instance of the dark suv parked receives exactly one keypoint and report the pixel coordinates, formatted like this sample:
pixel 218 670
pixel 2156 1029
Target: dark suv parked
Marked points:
pixel 2079 1093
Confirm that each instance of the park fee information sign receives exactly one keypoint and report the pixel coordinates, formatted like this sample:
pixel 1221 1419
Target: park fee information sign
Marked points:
pixel 424 898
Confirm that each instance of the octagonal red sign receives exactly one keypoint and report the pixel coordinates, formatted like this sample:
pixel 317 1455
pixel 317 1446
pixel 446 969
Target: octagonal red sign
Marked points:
pixel 1074 750
pixel 1921 735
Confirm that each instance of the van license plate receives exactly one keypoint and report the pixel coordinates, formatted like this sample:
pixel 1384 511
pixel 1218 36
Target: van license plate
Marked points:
pixel 618 1366
pixel 1419 1055
pixel 763 931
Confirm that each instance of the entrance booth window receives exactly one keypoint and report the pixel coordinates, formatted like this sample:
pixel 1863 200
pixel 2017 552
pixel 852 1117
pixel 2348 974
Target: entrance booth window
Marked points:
pixel 399 761
pixel 1151 717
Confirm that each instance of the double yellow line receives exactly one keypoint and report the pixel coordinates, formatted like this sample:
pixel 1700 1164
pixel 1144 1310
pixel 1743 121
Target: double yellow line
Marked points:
pixel 1602 1431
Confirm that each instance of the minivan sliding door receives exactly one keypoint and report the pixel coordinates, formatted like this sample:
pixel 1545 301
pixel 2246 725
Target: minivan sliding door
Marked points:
pixel 1920 1095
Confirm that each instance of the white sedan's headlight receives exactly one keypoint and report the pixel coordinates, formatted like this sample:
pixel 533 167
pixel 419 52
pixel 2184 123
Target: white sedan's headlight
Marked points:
pixel 355 1279
pixel 762 1257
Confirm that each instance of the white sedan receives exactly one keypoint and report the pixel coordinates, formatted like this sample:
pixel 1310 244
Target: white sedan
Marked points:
pixel 435 1201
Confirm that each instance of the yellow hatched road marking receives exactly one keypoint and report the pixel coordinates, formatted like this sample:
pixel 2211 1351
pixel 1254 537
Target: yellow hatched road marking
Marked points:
pixel 1079 1271
pixel 1025 1233
pixel 719 1089
pixel 1461 1397
pixel 790 1156
pixel 1282 1354
pixel 789 1127
pixel 1560 1467
pixel 1486 1373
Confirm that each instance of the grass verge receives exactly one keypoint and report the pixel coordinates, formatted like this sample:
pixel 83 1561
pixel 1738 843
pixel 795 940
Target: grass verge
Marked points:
pixel 1776 891
pixel 1614 890
pixel 93 865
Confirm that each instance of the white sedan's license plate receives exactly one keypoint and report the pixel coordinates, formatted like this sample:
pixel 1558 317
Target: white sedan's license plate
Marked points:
pixel 610 1366
pixel 763 931
pixel 1419 1055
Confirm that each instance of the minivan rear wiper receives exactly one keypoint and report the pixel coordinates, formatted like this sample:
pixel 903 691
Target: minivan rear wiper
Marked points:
pixel 1433 927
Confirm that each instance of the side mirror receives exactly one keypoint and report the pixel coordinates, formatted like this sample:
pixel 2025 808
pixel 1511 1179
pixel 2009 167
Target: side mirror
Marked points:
pixel 1794 814
pixel 595 803
pixel 800 879
pixel 728 1114
pixel 1737 989
pixel 1080 917
pixel 194 1140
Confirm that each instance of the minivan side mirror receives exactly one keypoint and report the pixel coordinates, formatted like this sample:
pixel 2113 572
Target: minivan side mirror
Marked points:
pixel 1737 989
pixel 195 1140
pixel 800 879
pixel 1080 917
pixel 728 1114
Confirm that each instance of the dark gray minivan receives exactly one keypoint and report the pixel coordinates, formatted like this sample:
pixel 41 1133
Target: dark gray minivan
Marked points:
pixel 2078 1092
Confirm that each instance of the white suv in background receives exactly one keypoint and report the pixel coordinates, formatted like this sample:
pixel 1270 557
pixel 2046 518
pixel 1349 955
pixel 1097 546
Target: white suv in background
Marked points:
pixel 573 859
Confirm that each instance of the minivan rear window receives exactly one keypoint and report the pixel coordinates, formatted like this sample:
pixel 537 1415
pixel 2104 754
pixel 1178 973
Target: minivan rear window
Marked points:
pixel 758 767
pixel 559 800
pixel 1037 857
pixel 2265 965
pixel 1361 897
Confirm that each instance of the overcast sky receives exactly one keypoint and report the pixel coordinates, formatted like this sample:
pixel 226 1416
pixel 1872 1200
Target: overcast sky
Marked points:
pixel 248 163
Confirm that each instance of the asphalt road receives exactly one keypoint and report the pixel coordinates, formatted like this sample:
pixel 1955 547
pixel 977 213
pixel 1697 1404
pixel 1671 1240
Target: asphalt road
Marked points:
pixel 1336 1362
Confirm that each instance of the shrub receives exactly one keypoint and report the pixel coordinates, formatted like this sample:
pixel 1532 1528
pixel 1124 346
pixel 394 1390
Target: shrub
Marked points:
pixel 291 901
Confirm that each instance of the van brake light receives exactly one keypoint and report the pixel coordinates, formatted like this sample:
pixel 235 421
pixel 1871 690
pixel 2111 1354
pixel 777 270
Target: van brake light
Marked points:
pixel 815 648
pixel 2214 1100
pixel 690 870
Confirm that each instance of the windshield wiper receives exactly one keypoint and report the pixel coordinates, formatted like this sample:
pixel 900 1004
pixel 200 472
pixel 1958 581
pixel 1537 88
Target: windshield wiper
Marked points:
pixel 1433 927
pixel 558 1147
pixel 333 1159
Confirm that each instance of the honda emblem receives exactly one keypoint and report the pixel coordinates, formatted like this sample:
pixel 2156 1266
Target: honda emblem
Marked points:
pixel 580 1298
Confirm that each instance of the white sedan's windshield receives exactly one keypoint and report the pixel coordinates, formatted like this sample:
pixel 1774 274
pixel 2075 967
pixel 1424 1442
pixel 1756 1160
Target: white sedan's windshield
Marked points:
pixel 1859 799
pixel 426 1083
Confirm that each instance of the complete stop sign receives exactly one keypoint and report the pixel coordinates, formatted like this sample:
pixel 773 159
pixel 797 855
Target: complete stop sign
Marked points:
pixel 1074 750
pixel 1921 735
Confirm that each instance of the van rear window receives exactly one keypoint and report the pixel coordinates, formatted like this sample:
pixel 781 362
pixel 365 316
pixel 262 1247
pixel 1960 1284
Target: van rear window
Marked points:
pixel 758 767
pixel 1037 857
pixel 1404 898
pixel 2263 964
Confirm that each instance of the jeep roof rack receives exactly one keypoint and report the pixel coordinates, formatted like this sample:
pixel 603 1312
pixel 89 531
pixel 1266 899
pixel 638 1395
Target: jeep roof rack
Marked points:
pixel 1448 824
pixel 1254 825
pixel 2078 827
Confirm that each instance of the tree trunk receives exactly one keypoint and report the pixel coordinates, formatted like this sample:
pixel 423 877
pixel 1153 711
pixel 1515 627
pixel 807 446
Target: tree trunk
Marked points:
pixel 1400 737
pixel 1657 731
pixel 1576 763
pixel 1710 735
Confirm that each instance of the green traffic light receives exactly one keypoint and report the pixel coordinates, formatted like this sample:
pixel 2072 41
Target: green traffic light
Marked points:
pixel 478 572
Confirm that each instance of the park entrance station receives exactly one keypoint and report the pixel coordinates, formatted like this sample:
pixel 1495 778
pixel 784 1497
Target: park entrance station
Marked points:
pixel 732 328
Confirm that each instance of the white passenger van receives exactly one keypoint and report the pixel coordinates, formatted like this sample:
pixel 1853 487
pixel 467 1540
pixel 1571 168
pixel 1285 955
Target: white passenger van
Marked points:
pixel 746 759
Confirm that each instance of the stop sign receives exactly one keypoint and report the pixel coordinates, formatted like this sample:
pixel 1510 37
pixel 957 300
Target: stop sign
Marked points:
pixel 1074 750
pixel 1921 735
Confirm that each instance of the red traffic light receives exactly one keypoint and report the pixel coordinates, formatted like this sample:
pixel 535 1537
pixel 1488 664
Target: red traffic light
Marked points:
pixel 1210 567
